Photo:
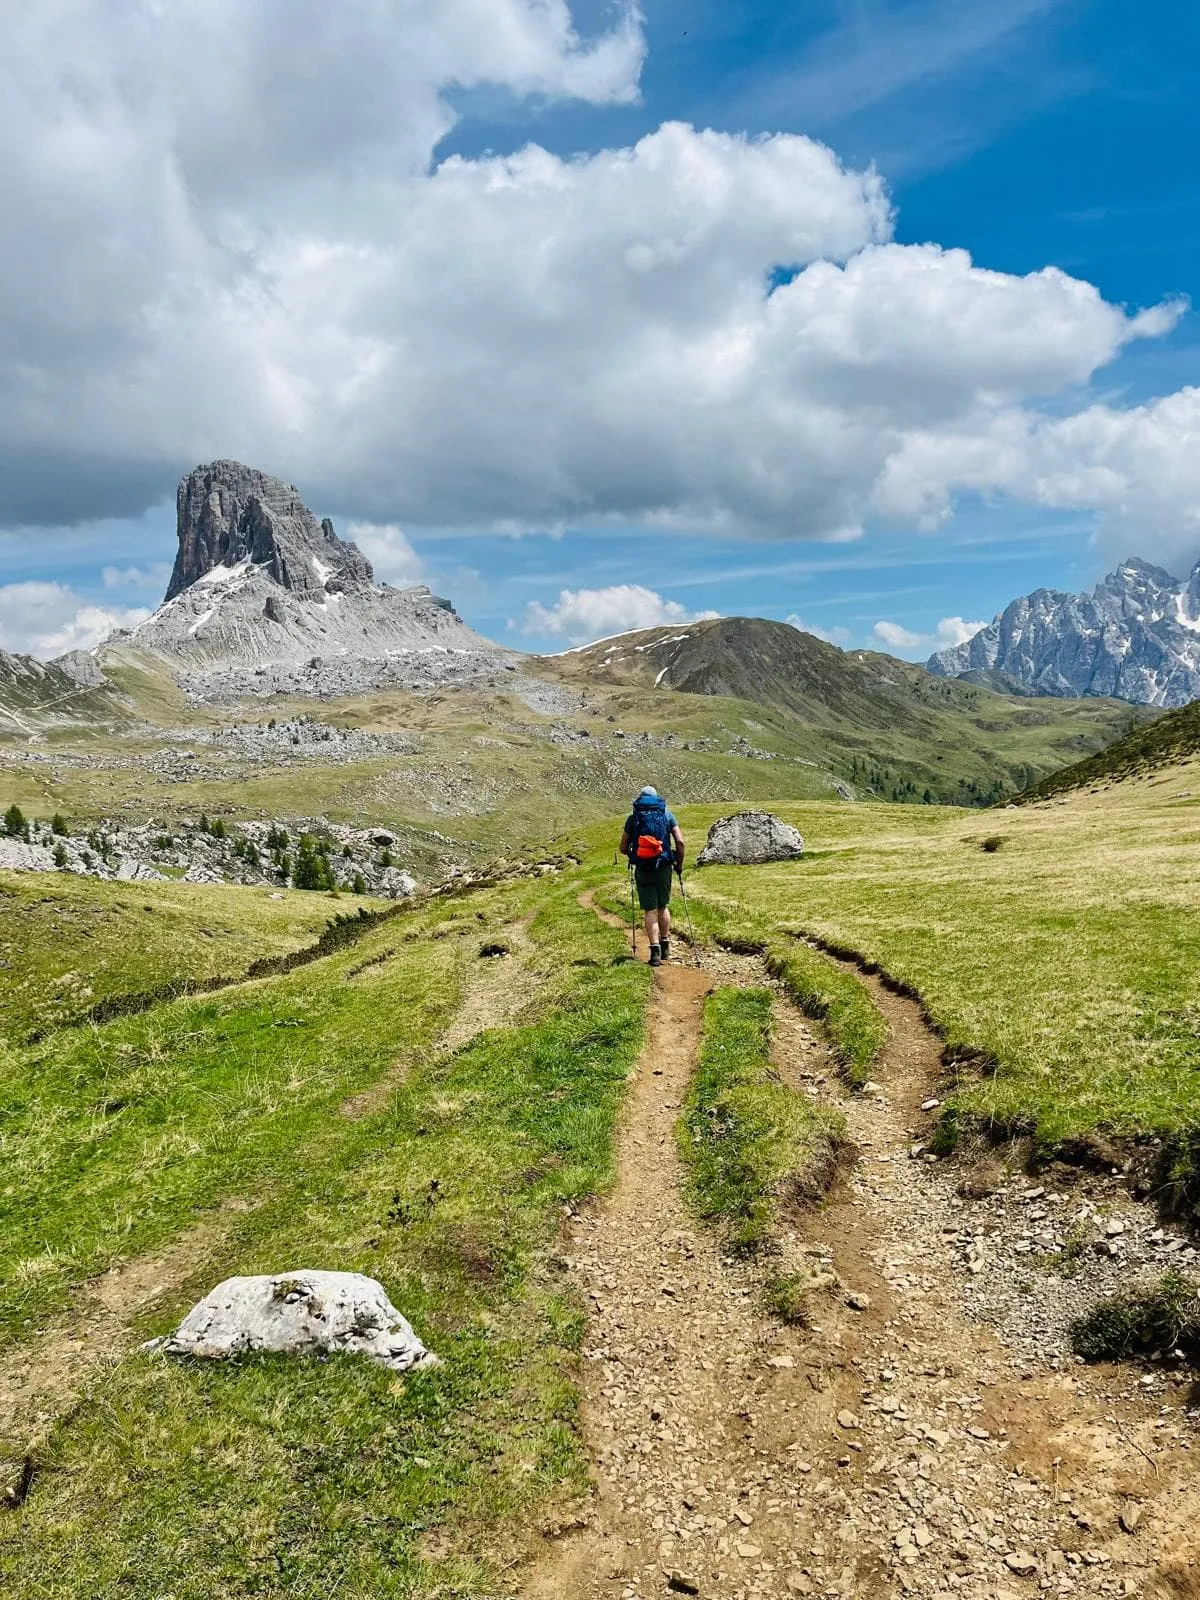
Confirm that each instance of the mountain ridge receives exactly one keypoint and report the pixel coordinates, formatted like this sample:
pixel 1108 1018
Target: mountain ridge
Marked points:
pixel 1135 637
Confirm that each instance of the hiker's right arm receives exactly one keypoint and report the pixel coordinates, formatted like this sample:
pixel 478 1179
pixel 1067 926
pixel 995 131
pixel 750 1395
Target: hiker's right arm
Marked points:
pixel 677 836
pixel 624 845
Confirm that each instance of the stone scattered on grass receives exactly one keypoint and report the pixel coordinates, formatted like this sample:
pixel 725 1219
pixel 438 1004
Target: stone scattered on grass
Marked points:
pixel 750 837
pixel 299 1313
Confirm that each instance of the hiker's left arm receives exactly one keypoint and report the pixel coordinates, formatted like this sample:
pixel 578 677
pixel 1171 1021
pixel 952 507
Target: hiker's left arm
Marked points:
pixel 677 836
pixel 624 845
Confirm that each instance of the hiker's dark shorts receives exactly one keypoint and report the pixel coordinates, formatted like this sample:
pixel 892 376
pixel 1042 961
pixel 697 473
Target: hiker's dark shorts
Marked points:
pixel 653 884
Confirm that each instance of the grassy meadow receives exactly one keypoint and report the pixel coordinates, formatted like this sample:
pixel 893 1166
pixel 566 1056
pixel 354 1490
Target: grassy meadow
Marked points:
pixel 68 943
pixel 1056 946
pixel 318 1118
pixel 220 1125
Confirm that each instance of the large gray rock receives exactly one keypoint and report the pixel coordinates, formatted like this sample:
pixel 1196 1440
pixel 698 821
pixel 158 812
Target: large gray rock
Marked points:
pixel 1136 636
pixel 299 1313
pixel 17 856
pixel 749 837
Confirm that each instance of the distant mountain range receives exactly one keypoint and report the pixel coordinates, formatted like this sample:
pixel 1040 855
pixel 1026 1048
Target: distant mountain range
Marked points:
pixel 1135 637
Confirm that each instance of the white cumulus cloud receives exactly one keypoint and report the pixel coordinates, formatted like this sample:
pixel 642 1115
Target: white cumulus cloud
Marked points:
pixel 949 631
pixel 389 552
pixel 48 619
pixel 835 635
pixel 212 250
pixel 582 615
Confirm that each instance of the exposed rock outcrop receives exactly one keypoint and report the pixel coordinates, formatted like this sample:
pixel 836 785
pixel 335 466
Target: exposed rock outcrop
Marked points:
pixel 228 514
pixel 1136 637
pixel 299 1313
pixel 749 837
pixel 266 599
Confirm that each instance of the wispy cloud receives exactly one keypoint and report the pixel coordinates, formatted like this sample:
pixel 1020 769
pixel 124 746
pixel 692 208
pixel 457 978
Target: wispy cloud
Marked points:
pixel 881 51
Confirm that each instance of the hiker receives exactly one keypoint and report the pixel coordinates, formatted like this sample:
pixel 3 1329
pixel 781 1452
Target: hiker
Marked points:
pixel 653 844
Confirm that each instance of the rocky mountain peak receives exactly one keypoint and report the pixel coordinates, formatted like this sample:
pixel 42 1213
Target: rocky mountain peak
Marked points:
pixel 1136 636
pixel 229 514
pixel 264 600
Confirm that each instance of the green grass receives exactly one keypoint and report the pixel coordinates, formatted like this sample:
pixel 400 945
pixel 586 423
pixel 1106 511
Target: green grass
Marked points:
pixel 1141 1322
pixel 749 1144
pixel 1168 740
pixel 68 943
pixel 1066 960
pixel 266 1476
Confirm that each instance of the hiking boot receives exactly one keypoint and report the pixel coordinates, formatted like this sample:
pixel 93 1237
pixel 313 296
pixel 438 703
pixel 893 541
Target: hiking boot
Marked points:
pixel 665 947
pixel 655 955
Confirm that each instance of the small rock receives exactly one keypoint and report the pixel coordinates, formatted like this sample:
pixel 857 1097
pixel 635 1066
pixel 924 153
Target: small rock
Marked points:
pixel 931 1104
pixel 847 1419
pixel 1131 1516
pixel 859 1302
pixel 1115 1227
pixel 1022 1563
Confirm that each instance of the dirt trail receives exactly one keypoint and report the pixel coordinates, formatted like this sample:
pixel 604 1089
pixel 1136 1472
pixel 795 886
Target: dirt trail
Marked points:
pixel 497 987
pixel 900 1448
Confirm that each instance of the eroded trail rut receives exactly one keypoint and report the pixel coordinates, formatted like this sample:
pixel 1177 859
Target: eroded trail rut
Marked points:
pixel 898 1447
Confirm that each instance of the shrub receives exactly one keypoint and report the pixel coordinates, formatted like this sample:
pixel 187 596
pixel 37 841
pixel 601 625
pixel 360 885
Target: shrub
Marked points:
pixel 359 885
pixel 59 825
pixel 164 842
pixel 277 839
pixel 15 824
pixel 311 869
pixel 385 858
pixel 60 855
pixel 1141 1322
pixel 219 830
pixel 992 844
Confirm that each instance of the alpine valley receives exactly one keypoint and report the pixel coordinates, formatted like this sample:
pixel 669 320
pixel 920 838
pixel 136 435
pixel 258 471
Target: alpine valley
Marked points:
pixel 279 684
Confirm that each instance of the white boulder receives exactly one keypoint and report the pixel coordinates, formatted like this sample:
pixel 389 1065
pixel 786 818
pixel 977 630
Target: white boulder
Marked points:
pixel 749 837
pixel 397 885
pixel 299 1313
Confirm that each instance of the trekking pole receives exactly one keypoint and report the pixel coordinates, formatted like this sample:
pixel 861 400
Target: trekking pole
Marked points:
pixel 688 913
pixel 632 911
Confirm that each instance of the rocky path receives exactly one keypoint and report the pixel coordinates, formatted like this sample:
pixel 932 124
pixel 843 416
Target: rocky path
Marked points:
pixel 907 1444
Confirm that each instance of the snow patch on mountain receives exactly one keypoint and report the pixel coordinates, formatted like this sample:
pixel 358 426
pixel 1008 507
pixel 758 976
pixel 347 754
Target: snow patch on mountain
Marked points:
pixel 1136 637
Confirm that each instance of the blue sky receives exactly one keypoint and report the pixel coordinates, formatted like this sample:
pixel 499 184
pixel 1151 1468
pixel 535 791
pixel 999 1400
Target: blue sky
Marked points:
pixel 1029 132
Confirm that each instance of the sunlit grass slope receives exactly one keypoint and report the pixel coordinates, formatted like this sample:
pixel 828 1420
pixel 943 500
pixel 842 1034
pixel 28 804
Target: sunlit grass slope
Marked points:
pixel 68 943
pixel 1066 952
pixel 271 1476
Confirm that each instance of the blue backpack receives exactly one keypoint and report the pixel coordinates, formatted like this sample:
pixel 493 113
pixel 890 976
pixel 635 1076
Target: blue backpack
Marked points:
pixel 650 840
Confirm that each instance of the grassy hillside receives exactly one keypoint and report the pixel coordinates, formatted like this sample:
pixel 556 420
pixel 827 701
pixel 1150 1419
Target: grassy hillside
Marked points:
pixel 1056 944
pixel 737 710
pixel 888 727
pixel 68 943
pixel 1167 741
